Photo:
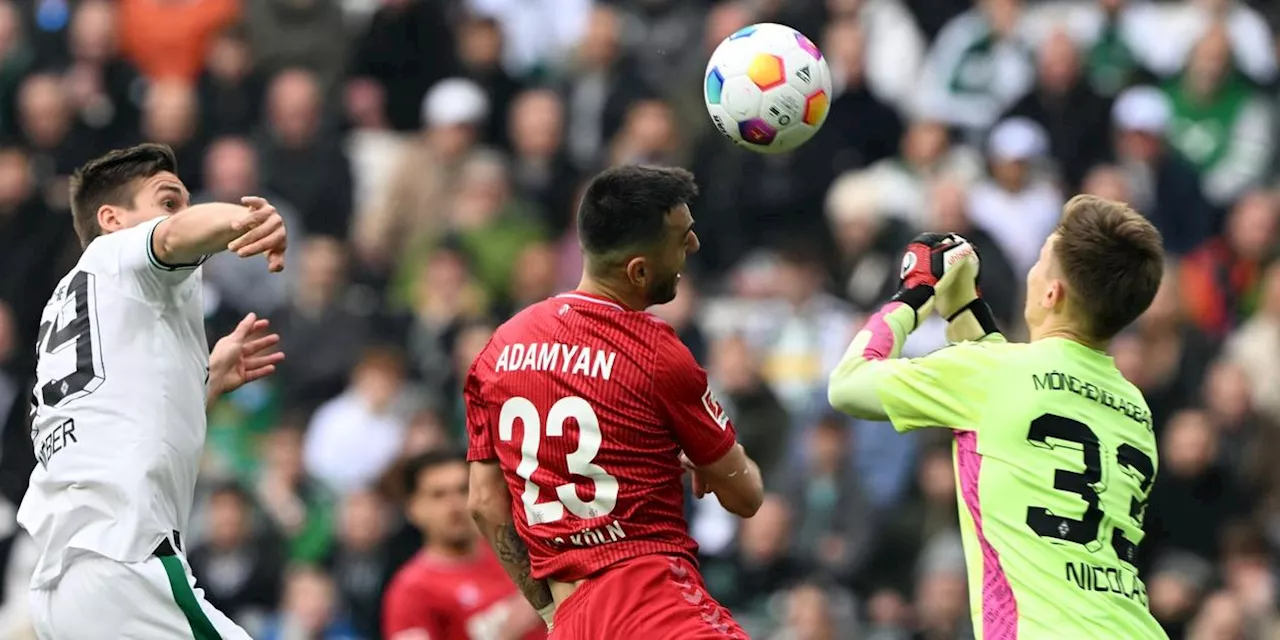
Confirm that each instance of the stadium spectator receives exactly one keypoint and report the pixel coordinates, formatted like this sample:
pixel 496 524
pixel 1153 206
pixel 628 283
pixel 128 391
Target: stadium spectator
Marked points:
pixel 416 202
pixel 1075 117
pixel 540 167
pixel 763 424
pixel 240 569
pixel 301 158
pixel 833 520
pixel 1162 184
pixel 310 609
pixel 1018 205
pixel 359 562
pixel 170 116
pixel 354 438
pixel 230 88
pixel 170 40
pixel 1220 122
pixel 309 34
pixel 295 504
pixel 319 303
pixel 979 65
pixel 1221 281
pixel 1260 335
pixel 101 84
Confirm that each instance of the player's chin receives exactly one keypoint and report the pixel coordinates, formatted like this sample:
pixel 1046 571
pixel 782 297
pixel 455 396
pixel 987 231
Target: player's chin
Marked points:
pixel 666 293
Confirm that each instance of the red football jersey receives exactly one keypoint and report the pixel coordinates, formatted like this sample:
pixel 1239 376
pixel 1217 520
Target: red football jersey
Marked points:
pixel 587 406
pixel 438 598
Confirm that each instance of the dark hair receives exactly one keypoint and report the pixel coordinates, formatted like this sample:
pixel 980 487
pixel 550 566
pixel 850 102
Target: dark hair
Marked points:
pixel 231 489
pixel 419 464
pixel 112 179
pixel 1112 259
pixel 626 207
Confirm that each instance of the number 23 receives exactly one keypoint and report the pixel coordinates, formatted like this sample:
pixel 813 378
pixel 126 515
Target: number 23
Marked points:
pixel 581 462
pixel 1086 530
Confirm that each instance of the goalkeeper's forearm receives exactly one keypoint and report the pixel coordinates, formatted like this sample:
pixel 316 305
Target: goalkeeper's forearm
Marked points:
pixel 973 322
pixel 853 387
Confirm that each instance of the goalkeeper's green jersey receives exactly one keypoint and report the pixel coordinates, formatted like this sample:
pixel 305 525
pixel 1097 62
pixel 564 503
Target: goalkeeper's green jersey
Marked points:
pixel 1055 459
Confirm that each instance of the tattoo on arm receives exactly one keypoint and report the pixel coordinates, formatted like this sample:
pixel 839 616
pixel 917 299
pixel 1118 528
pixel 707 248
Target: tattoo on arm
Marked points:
pixel 515 557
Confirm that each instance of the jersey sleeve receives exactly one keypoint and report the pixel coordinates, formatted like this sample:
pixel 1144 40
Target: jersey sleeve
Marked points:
pixel 479 417
pixel 130 254
pixel 701 426
pixel 407 615
pixel 943 389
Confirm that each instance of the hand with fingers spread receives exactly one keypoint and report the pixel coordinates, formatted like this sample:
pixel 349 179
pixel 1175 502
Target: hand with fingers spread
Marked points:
pixel 263 232
pixel 244 355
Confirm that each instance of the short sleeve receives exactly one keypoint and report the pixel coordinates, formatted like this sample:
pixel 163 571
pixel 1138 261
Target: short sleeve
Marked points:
pixel 479 417
pixel 946 388
pixel 130 254
pixel 702 428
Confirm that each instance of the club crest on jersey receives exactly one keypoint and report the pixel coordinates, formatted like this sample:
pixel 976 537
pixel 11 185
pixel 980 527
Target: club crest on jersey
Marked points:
pixel 715 410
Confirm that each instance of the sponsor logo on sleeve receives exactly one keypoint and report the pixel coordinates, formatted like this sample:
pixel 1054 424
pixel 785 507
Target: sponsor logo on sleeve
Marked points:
pixel 715 410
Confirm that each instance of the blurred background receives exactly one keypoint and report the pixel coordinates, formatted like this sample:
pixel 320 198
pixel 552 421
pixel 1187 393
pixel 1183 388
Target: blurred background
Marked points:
pixel 427 155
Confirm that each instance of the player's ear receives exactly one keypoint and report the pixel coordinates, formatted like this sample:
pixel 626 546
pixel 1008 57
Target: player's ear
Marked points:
pixel 638 272
pixel 110 218
pixel 1054 294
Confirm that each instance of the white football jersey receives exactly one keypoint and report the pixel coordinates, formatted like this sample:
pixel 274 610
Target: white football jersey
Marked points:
pixel 118 420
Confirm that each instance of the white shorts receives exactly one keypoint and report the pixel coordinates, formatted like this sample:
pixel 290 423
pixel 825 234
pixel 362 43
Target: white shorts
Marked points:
pixel 100 599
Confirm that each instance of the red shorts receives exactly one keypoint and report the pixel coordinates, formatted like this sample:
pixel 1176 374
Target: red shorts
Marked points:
pixel 647 598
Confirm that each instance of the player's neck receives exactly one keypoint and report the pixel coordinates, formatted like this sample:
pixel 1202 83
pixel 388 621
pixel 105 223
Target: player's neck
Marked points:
pixel 595 287
pixel 450 552
pixel 1066 333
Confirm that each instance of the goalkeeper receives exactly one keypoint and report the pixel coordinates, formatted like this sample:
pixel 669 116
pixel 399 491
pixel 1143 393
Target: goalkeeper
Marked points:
pixel 1054 451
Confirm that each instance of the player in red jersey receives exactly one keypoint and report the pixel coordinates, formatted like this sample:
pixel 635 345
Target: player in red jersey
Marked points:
pixel 454 589
pixel 583 412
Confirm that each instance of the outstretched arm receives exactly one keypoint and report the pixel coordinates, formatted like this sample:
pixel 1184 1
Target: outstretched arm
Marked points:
pixel 853 386
pixel 871 382
pixel 939 390
pixel 490 505
pixel 204 229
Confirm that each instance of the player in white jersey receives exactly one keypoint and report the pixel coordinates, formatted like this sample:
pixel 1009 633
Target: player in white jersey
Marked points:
pixel 118 408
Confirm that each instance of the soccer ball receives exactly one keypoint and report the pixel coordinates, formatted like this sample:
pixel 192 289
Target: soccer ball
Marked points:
pixel 768 88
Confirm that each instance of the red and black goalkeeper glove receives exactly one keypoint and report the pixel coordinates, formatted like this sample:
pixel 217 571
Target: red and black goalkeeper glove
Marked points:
pixel 927 259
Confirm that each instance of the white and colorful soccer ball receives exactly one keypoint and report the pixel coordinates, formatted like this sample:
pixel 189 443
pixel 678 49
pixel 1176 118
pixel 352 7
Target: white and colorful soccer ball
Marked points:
pixel 768 88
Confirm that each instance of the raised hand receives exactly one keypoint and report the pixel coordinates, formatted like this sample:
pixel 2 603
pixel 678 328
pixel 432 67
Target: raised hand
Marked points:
pixel 958 285
pixel 244 355
pixel 264 232
pixel 929 259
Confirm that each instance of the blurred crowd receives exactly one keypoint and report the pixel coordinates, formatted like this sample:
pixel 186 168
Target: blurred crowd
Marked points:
pixel 427 155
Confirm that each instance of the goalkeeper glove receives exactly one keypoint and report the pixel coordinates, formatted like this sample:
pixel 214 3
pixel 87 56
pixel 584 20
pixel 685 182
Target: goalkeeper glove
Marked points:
pixel 961 286
pixel 928 259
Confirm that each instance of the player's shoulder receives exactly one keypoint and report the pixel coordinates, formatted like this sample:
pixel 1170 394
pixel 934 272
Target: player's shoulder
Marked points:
pixel 415 576
pixel 979 353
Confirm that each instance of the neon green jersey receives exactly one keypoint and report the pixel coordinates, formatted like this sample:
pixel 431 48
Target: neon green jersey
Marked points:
pixel 1055 459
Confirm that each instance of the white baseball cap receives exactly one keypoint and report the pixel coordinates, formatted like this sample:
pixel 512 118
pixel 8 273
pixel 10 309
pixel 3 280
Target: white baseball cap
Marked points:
pixel 1018 139
pixel 454 101
pixel 1142 108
